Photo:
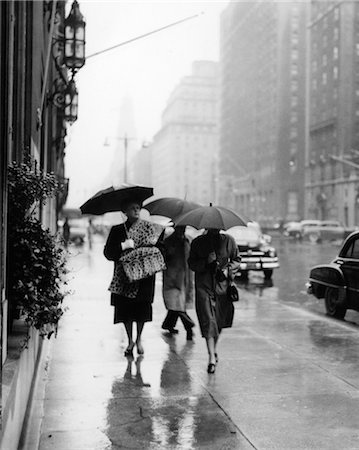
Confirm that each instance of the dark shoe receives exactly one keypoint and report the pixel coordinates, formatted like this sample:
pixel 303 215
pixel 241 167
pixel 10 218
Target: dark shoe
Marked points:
pixel 189 335
pixel 128 352
pixel 216 356
pixel 140 349
pixel 173 331
pixel 211 368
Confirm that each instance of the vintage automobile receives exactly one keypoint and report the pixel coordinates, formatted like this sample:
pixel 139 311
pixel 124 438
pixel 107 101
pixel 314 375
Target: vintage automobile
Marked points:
pixel 293 230
pixel 255 251
pixel 78 230
pixel 325 230
pixel 338 281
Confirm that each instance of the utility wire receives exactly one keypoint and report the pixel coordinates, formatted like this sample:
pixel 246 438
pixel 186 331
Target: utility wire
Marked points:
pixel 143 35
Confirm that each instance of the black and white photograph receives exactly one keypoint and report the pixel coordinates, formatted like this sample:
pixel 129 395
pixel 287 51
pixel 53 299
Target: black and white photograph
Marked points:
pixel 179 224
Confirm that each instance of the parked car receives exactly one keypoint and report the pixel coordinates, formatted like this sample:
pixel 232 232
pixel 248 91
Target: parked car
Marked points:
pixel 293 229
pixel 78 230
pixel 338 281
pixel 325 230
pixel 255 251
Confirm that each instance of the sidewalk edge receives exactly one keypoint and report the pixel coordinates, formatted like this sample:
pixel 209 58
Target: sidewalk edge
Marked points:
pixel 31 431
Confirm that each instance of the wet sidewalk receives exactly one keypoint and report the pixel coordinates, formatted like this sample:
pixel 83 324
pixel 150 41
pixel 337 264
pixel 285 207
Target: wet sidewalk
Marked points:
pixel 286 379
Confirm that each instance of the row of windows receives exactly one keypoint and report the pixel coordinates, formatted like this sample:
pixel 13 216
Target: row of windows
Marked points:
pixel 324 78
pixel 324 40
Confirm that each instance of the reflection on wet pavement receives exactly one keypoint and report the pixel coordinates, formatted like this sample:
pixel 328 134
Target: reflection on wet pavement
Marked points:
pixel 288 282
pixel 278 365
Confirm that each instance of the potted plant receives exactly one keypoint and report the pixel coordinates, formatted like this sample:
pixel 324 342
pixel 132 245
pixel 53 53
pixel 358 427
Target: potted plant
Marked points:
pixel 36 258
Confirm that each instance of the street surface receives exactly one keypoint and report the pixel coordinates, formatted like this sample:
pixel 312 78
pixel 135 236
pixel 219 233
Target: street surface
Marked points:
pixel 288 283
pixel 287 376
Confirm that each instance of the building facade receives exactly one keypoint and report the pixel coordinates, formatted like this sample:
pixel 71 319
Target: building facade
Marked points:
pixel 184 150
pixel 32 125
pixel 262 131
pixel 332 172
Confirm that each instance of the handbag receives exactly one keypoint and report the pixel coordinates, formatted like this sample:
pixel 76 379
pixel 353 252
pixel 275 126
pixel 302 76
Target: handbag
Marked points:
pixel 142 262
pixel 232 293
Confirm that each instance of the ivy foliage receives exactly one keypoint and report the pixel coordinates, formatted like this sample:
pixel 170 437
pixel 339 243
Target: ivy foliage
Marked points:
pixel 36 259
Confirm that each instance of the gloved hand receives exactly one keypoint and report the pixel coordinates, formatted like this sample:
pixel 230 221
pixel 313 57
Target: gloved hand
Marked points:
pixel 127 244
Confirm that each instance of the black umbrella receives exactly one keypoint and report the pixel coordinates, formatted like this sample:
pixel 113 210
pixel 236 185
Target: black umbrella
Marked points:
pixel 215 217
pixel 113 198
pixel 171 207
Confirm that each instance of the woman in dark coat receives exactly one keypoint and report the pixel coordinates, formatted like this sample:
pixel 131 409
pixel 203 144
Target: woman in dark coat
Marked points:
pixel 132 300
pixel 214 258
pixel 177 287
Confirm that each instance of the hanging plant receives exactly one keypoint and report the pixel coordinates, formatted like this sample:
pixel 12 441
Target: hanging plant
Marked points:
pixel 36 258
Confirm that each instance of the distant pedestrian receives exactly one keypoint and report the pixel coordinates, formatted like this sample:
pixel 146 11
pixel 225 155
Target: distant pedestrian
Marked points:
pixel 214 258
pixel 132 300
pixel 178 282
pixel 66 232
pixel 90 231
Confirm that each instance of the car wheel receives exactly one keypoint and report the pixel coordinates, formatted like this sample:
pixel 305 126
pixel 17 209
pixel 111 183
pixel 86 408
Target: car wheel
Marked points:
pixel 268 273
pixel 333 304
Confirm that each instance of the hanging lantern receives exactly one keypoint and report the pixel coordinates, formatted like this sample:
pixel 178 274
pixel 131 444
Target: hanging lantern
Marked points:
pixel 71 102
pixel 74 57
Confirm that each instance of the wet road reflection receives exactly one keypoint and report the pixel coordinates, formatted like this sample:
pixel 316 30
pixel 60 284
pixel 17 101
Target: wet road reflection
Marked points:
pixel 180 415
pixel 288 282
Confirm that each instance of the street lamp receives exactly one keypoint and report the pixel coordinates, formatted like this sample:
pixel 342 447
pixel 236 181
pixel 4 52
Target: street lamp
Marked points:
pixel 71 102
pixel 74 39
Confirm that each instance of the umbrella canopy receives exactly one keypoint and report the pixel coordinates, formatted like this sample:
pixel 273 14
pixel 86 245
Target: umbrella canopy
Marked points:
pixel 171 207
pixel 215 217
pixel 113 198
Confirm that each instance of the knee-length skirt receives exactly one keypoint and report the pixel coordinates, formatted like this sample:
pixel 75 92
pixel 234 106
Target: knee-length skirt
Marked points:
pixel 137 309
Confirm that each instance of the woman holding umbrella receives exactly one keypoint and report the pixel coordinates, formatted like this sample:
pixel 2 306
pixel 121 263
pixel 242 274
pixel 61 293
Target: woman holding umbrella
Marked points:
pixel 132 247
pixel 214 258
pixel 132 300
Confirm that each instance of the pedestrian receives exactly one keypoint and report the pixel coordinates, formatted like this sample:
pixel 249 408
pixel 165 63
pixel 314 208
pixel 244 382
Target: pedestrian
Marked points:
pixel 90 232
pixel 214 258
pixel 132 300
pixel 178 283
pixel 66 232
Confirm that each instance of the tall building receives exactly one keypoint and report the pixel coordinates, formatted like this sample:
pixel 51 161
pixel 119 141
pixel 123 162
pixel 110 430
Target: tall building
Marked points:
pixel 332 175
pixel 184 150
pixel 262 133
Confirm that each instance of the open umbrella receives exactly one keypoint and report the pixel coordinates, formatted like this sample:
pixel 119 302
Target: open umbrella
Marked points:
pixel 171 207
pixel 215 217
pixel 113 198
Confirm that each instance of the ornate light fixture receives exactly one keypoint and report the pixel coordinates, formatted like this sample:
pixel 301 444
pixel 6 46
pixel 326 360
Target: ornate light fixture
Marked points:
pixel 71 102
pixel 74 38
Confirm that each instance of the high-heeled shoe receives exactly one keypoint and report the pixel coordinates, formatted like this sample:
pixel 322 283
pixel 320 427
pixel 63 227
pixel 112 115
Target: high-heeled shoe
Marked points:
pixel 129 350
pixel 140 349
pixel 211 368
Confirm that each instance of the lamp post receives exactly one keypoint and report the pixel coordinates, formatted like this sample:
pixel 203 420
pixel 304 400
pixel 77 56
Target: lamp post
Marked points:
pixel 125 140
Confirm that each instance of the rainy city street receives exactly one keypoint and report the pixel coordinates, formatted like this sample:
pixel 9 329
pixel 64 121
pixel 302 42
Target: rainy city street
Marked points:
pixel 286 377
